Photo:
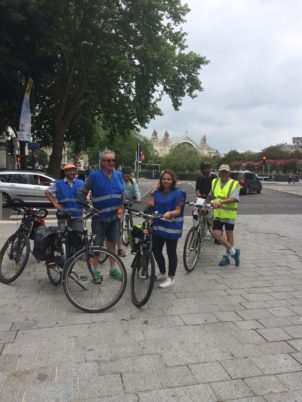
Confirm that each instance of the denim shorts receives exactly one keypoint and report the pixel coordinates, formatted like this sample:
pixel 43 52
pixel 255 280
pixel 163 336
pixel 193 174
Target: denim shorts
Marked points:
pixel 105 230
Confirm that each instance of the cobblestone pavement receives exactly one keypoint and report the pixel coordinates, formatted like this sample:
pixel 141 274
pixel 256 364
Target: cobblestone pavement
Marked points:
pixel 220 334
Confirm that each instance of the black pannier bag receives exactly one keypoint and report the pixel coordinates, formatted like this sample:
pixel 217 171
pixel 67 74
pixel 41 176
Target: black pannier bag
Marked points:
pixel 44 243
pixel 136 235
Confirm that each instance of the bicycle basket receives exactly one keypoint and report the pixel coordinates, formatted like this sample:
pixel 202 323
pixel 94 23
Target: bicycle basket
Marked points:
pixel 44 242
pixel 137 235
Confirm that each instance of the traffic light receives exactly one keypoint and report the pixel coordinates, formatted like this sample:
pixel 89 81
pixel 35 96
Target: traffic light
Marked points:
pixel 263 160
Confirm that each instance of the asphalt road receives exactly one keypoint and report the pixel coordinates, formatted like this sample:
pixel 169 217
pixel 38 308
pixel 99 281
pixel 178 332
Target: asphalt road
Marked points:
pixel 268 202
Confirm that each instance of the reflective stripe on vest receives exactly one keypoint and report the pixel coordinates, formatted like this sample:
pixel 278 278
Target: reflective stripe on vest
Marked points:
pixel 167 230
pixel 229 210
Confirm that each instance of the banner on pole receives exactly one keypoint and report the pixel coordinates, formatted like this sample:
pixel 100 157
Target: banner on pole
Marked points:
pixel 25 118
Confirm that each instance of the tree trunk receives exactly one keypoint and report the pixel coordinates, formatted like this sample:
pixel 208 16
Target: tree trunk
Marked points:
pixel 55 160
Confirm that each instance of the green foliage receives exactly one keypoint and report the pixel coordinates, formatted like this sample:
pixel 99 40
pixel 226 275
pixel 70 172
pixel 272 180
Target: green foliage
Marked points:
pixel 42 158
pixel 182 158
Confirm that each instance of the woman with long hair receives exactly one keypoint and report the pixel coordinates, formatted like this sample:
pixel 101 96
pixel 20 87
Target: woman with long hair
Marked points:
pixel 169 201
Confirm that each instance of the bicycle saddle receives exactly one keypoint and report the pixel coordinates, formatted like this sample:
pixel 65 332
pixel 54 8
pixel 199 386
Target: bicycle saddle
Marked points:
pixel 62 214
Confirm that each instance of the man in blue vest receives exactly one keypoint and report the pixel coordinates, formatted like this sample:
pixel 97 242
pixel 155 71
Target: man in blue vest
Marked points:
pixel 63 195
pixel 106 187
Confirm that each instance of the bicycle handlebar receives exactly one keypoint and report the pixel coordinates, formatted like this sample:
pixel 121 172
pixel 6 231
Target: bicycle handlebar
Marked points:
pixel 193 204
pixel 18 205
pixel 146 216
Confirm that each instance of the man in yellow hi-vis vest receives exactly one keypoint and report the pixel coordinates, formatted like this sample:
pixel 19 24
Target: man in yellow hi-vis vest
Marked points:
pixel 225 196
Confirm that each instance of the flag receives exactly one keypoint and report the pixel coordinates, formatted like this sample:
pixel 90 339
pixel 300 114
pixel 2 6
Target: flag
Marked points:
pixel 25 118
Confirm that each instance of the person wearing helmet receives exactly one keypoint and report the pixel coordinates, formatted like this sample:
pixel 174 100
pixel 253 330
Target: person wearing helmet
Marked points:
pixel 130 194
pixel 204 181
pixel 63 195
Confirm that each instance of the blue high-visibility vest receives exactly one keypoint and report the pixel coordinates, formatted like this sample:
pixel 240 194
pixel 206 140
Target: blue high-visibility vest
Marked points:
pixel 67 196
pixel 106 192
pixel 171 229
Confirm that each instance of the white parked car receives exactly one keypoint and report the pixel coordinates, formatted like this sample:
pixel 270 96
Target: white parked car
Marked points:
pixel 25 185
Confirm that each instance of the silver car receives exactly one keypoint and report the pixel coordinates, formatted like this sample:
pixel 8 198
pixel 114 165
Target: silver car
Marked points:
pixel 25 185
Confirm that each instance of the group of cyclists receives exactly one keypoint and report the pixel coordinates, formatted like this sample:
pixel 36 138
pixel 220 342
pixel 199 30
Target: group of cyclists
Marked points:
pixel 107 188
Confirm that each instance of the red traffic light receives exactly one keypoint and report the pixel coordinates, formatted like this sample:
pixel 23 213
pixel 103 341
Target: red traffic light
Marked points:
pixel 263 160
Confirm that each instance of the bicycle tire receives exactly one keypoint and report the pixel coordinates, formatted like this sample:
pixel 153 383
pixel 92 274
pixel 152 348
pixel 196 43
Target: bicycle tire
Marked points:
pixel 142 278
pixel 81 288
pixel 210 226
pixel 15 245
pixel 55 268
pixel 125 227
pixel 191 248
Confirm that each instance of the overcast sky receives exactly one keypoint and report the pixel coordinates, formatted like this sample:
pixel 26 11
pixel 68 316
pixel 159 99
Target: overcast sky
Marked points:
pixel 252 94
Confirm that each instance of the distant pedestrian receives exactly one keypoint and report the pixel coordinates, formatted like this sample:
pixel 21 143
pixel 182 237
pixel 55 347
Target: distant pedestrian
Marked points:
pixel 290 179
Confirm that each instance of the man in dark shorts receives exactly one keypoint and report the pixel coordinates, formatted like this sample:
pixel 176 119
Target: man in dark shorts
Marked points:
pixel 225 196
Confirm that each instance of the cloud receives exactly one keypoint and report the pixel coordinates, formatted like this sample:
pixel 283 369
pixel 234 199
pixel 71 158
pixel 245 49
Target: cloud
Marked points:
pixel 253 85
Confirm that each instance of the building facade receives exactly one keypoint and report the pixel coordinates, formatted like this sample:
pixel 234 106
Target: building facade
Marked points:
pixel 164 146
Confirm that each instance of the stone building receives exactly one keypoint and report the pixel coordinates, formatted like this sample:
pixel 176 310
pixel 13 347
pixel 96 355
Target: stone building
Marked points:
pixel 164 146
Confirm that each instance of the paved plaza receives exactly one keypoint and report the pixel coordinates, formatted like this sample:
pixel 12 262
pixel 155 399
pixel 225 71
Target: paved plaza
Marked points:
pixel 220 334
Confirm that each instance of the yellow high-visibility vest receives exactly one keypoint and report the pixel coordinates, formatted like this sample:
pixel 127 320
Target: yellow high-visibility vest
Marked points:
pixel 226 211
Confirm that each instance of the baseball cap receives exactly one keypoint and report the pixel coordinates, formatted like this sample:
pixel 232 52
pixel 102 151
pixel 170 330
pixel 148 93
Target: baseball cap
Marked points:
pixel 69 166
pixel 224 167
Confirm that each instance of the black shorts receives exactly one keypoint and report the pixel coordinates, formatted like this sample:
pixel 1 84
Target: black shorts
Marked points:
pixel 217 225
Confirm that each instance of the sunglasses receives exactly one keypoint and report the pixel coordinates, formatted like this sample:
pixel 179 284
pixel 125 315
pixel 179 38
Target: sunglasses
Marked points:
pixel 109 160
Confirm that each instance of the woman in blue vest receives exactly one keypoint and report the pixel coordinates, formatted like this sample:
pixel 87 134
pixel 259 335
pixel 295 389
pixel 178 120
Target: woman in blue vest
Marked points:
pixel 169 201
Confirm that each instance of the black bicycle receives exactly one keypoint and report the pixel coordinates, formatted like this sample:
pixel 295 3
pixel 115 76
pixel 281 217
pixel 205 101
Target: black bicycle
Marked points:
pixel 15 251
pixel 196 236
pixel 143 264
pixel 94 279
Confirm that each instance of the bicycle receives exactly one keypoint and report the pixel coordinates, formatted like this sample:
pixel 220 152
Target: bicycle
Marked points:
pixel 126 224
pixel 143 264
pixel 196 236
pixel 65 242
pixel 15 251
pixel 87 275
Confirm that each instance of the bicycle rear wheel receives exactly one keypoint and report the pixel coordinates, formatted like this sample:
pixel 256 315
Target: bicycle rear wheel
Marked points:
pixel 191 249
pixel 142 278
pixel 55 267
pixel 97 290
pixel 14 257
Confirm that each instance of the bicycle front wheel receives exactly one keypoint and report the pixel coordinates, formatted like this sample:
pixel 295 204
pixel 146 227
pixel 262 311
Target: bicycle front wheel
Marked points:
pixel 125 227
pixel 92 286
pixel 142 278
pixel 191 249
pixel 13 257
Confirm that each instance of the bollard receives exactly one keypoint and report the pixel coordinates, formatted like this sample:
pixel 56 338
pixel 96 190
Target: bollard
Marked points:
pixel 1 215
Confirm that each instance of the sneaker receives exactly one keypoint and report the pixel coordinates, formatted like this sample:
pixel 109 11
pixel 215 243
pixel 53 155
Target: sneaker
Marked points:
pixel 167 283
pixel 97 277
pixel 115 274
pixel 236 257
pixel 224 261
pixel 161 276
pixel 121 252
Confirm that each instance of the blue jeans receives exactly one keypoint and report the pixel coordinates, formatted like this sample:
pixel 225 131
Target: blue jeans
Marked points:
pixel 105 230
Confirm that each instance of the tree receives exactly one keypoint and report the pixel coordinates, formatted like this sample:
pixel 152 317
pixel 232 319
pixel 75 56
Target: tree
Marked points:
pixel 182 158
pixel 110 59
pixel 24 26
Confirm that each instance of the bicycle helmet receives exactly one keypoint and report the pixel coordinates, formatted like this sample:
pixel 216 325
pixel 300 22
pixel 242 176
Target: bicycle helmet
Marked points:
pixel 204 165
pixel 126 169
